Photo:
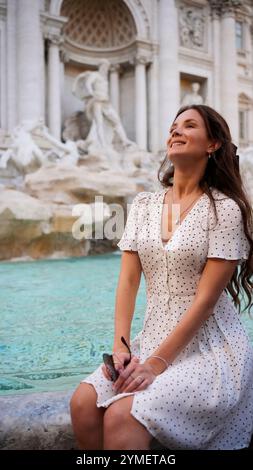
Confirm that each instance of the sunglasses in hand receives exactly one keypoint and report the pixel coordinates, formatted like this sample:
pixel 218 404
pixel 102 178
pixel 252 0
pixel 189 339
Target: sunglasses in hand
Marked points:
pixel 109 363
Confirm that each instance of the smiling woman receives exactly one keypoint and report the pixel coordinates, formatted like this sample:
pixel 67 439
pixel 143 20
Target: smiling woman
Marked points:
pixel 188 135
pixel 189 383
pixel 204 133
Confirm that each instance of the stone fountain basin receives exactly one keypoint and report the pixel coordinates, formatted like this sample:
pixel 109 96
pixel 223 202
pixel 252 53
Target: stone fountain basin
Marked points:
pixel 36 421
pixel 40 421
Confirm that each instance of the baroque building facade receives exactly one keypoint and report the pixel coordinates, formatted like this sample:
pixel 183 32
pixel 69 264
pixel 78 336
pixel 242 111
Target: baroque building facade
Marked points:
pixel 158 50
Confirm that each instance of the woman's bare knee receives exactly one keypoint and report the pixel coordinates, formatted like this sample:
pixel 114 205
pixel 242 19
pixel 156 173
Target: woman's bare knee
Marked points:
pixel 84 399
pixel 85 393
pixel 87 418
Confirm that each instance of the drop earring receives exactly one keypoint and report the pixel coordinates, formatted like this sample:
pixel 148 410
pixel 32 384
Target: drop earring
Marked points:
pixel 211 155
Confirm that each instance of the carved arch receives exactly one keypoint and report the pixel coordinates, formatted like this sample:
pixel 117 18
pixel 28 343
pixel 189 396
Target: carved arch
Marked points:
pixel 136 8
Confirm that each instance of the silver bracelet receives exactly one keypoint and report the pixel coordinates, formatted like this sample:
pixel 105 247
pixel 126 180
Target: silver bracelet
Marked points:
pixel 162 359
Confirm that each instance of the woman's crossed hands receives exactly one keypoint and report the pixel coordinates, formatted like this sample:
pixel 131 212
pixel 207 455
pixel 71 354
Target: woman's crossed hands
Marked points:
pixel 134 377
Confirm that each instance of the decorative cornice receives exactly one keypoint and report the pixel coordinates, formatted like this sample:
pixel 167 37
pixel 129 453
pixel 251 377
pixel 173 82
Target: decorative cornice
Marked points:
pixel 193 57
pixel 52 27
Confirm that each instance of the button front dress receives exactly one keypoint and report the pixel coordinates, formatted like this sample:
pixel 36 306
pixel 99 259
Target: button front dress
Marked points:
pixel 204 400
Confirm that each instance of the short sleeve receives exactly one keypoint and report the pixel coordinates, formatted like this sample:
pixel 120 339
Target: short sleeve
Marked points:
pixel 128 240
pixel 227 238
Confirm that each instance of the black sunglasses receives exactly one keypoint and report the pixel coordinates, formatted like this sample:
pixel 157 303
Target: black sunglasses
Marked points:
pixel 109 363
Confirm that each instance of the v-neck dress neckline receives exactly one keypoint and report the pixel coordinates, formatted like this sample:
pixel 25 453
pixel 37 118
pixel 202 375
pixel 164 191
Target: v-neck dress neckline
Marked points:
pixel 185 219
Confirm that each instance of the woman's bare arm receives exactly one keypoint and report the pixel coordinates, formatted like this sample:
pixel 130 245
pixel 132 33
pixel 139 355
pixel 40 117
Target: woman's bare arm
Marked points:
pixel 128 285
pixel 215 277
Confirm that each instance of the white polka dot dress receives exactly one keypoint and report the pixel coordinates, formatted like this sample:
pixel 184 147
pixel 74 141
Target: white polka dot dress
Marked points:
pixel 204 400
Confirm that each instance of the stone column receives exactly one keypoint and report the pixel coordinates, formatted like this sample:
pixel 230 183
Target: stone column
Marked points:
pixel 29 57
pixel 11 66
pixel 169 80
pixel 216 41
pixel 248 43
pixel 3 108
pixel 153 99
pixel 141 102
pixel 43 70
pixel 250 126
pixel 114 86
pixel 64 59
pixel 54 85
pixel 229 86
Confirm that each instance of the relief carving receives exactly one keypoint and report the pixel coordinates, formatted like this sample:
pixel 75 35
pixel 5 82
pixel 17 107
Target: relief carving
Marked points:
pixel 191 27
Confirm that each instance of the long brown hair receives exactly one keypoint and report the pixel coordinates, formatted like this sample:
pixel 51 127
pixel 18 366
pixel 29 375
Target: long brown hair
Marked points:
pixel 222 172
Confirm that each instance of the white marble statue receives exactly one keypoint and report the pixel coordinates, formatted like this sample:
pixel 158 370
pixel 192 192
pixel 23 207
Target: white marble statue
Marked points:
pixel 26 154
pixel 194 97
pixel 23 151
pixel 93 88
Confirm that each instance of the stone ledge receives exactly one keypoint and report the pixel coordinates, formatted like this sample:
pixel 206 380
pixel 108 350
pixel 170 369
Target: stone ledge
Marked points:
pixel 40 421
pixel 36 421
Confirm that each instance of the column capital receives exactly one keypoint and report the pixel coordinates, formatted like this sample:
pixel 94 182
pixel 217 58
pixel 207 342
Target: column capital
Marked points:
pixel 224 8
pixel 229 7
pixel 141 60
pixel 52 27
pixel 115 68
pixel 216 8
pixel 54 38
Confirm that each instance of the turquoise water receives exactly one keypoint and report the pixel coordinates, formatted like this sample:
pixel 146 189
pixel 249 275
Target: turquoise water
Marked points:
pixel 57 320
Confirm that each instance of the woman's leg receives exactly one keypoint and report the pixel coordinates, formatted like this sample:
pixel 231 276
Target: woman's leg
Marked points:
pixel 122 430
pixel 87 418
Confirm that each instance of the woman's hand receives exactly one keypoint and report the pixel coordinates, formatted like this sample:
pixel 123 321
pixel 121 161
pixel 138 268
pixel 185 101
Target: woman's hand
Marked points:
pixel 134 377
pixel 119 358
